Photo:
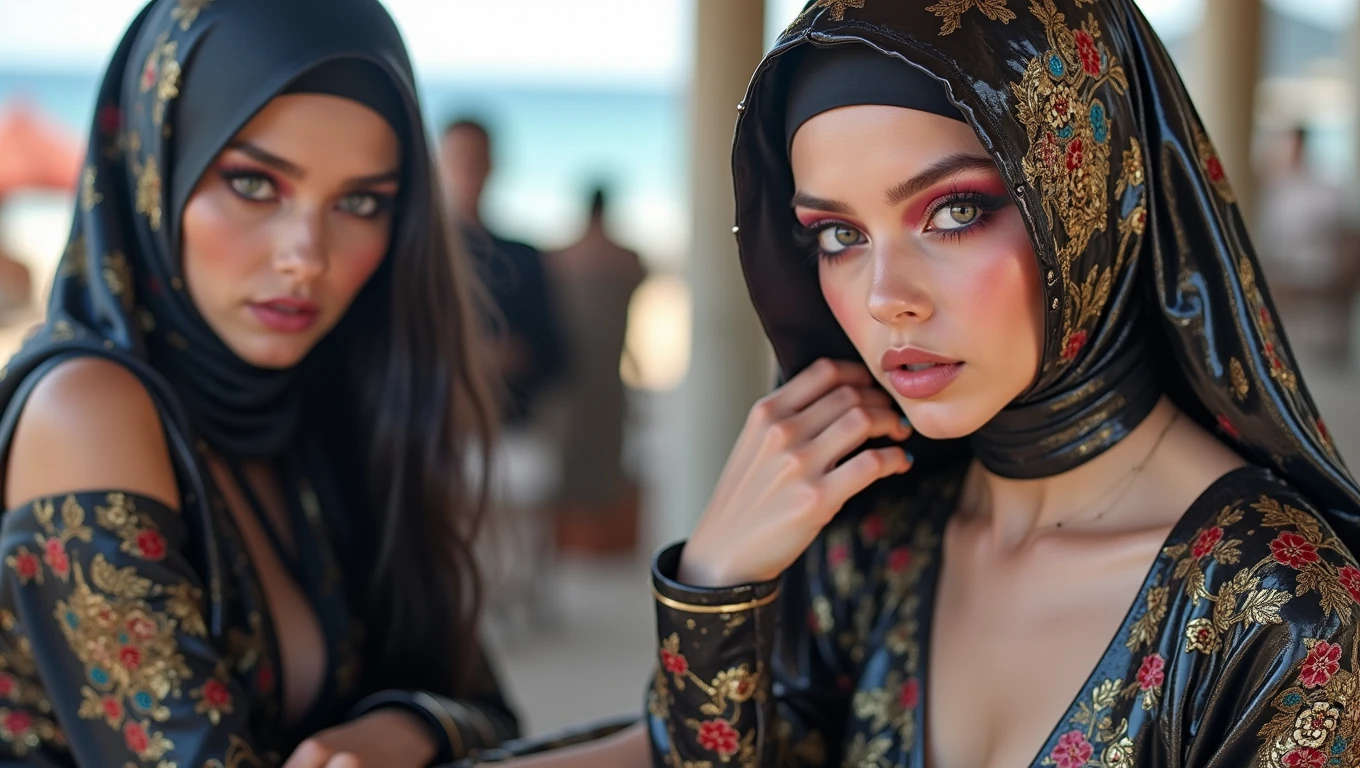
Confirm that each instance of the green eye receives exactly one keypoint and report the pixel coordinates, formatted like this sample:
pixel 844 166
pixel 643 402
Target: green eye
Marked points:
pixel 360 204
pixel 837 238
pixel 955 216
pixel 253 187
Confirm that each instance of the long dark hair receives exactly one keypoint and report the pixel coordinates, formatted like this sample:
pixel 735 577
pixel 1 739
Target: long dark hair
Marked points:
pixel 405 401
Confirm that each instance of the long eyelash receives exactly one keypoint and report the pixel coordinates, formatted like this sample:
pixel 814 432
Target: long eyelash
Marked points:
pixel 986 205
pixel 229 175
pixel 807 239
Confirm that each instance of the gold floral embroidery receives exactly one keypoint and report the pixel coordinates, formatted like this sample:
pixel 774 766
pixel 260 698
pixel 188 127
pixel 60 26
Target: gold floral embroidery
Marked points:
pixel 63 331
pixel 1314 721
pixel 149 191
pixel 1240 386
pixel 89 197
pixel 1095 725
pixel 952 12
pixel 836 8
pixel 73 259
pixel 186 12
pixel 118 277
pixel 1212 165
pixel 239 755
pixel 24 732
pixel 161 72
pixel 1068 159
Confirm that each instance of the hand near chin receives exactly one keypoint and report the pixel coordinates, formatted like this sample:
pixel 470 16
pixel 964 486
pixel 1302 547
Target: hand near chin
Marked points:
pixel 387 738
pixel 784 480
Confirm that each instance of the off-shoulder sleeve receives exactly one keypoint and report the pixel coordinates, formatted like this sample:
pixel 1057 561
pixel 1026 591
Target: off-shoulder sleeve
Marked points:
pixel 105 652
pixel 1277 682
pixel 764 674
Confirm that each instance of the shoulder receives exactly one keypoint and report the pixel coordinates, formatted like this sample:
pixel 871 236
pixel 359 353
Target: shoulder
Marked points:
pixel 89 424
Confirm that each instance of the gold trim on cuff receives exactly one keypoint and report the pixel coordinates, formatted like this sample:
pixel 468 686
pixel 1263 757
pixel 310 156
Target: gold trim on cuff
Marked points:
pixel 446 721
pixel 749 605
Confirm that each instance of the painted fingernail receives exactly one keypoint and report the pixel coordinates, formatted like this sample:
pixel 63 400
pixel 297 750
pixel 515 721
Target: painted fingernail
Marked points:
pixel 910 459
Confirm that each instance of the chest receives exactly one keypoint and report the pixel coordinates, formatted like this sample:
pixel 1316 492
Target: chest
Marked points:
pixel 1013 641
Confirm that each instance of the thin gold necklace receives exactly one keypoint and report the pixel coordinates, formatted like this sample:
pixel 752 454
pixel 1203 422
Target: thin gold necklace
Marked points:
pixel 1132 475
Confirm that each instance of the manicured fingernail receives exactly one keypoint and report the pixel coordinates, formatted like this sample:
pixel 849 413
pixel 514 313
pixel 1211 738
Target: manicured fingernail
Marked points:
pixel 910 459
pixel 906 423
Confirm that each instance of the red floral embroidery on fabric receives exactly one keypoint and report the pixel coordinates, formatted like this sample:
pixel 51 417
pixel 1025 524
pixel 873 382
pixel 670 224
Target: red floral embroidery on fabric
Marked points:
pixel 54 554
pixel 1322 430
pixel 1264 314
pixel 1293 550
pixel 1061 108
pixel 135 736
pixel 1089 53
pixel 675 663
pixel 719 736
pixel 1214 168
pixel 837 555
pixel 1075 154
pixel 1228 428
pixel 911 693
pixel 113 710
pixel 130 657
pixel 1323 661
pixel 899 559
pixel 1150 673
pixel 1207 541
pixel 873 528
pixel 1306 757
pixel 6 685
pixel 109 119
pixel 1075 343
pixel 149 75
pixel 1350 580
pixel 18 722
pixel 845 683
pixel 26 565
pixel 1048 150
pixel 1073 750
pixel 141 628
pixel 216 694
pixel 151 544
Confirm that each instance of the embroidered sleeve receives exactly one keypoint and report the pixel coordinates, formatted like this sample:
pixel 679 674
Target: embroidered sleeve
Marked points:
pixel 1279 649
pixel 730 688
pixel 104 647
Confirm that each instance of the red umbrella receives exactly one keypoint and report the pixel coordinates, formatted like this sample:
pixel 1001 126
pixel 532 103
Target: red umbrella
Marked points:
pixel 36 152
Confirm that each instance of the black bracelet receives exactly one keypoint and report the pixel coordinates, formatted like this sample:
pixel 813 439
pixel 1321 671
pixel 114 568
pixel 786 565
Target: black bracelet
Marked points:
pixel 448 739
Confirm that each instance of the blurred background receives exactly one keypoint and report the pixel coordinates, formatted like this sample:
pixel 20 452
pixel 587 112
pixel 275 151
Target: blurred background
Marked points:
pixel 607 125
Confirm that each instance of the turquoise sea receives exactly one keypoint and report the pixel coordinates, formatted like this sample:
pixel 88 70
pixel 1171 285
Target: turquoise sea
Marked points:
pixel 551 143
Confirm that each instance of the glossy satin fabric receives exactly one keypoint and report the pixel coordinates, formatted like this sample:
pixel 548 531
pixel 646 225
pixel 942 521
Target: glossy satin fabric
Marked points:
pixel 1240 649
pixel 1150 282
pixel 131 634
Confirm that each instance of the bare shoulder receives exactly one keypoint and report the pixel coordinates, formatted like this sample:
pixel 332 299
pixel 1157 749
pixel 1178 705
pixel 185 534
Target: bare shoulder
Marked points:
pixel 89 425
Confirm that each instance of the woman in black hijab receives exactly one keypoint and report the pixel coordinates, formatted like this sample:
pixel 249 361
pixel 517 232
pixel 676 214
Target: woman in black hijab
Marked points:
pixel 237 516
pixel 1119 535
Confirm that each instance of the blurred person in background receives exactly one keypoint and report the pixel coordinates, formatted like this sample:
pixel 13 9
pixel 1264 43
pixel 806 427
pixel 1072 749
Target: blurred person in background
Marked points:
pixel 595 278
pixel 1307 249
pixel 238 528
pixel 521 328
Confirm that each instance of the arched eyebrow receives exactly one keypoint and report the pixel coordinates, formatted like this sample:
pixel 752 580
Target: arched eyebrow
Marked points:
pixel 896 195
pixel 294 171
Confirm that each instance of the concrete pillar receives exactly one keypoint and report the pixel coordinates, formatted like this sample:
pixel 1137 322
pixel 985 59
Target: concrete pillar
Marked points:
pixel 730 359
pixel 1227 70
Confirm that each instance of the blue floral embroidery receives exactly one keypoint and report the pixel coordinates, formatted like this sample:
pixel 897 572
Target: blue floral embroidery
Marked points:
pixel 1293 700
pixel 1099 125
pixel 1056 66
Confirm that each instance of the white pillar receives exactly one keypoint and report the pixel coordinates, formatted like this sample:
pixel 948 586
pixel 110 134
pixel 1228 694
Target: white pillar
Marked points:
pixel 730 360
pixel 1228 68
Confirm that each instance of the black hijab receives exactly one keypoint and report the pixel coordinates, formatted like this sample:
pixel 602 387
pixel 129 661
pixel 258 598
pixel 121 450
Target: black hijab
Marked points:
pixel 187 76
pixel 1149 280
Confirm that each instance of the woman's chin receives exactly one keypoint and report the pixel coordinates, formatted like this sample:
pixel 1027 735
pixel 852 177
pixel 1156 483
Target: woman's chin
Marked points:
pixel 945 421
pixel 272 354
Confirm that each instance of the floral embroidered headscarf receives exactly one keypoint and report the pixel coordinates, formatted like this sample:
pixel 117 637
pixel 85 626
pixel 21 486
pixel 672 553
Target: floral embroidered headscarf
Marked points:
pixel 1150 282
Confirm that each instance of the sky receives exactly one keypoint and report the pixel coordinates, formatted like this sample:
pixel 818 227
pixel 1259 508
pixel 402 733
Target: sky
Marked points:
pixel 582 41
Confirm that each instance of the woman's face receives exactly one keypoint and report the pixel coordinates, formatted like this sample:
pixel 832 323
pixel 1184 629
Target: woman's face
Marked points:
pixel 924 260
pixel 288 223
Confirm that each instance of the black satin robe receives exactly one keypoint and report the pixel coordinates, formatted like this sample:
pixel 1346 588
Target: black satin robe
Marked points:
pixel 1241 648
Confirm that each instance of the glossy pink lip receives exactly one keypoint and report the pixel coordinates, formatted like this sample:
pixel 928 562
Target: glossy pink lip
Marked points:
pixel 286 315
pixel 922 383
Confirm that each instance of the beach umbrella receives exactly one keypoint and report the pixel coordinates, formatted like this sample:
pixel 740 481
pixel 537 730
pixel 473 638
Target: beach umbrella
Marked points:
pixel 35 152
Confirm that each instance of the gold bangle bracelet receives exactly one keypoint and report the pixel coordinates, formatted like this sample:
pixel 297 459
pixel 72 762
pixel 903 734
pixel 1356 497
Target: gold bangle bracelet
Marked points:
pixel 749 605
pixel 431 705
